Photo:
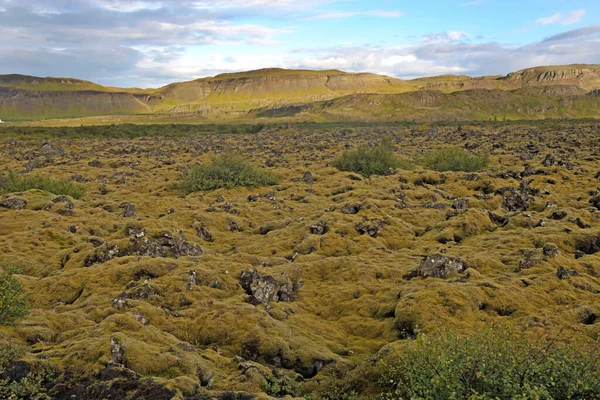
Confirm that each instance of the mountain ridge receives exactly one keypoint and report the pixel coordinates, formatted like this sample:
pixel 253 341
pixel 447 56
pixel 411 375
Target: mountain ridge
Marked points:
pixel 241 94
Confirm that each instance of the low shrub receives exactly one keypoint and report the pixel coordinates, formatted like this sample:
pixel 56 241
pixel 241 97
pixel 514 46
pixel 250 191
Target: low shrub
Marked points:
pixel 13 182
pixel 491 364
pixel 369 161
pixel 454 159
pixel 13 303
pixel 227 171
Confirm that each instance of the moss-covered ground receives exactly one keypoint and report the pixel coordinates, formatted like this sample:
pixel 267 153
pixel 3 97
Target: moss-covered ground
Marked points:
pixel 352 295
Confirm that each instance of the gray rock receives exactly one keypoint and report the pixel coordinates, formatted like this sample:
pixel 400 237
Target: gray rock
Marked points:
pixel 351 208
pixel 267 289
pixel 438 266
pixel 460 204
pixel 128 210
pixel 370 227
pixel 308 178
pixel 13 203
pixel 117 353
pixel 550 250
pixel 319 228
pixel 563 273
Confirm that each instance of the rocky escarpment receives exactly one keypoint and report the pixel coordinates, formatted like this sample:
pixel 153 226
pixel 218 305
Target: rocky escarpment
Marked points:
pixel 23 104
pixel 584 76
pixel 555 91
pixel 275 83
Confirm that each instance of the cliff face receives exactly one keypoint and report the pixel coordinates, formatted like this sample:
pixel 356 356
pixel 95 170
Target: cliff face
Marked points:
pixel 584 76
pixel 23 104
pixel 233 95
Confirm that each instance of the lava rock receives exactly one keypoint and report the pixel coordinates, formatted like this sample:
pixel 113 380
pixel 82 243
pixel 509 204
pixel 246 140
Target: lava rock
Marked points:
pixel 437 266
pixel 351 208
pixel 563 273
pixel 128 210
pixel 550 250
pixel 13 203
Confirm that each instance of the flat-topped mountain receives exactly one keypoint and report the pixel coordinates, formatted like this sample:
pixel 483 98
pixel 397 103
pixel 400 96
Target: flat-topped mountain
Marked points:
pixel 273 92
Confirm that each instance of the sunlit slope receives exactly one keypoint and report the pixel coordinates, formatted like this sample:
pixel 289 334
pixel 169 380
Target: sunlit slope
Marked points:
pixel 554 91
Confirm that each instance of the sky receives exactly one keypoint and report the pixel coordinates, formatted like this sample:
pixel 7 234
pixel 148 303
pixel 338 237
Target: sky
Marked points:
pixel 150 43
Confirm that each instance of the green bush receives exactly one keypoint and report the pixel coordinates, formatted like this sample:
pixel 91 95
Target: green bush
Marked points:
pixel 369 161
pixel 227 171
pixel 491 364
pixel 13 182
pixel 13 303
pixel 33 387
pixel 454 159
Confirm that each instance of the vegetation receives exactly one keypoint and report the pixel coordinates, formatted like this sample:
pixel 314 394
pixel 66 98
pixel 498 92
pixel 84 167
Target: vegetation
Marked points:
pixel 368 161
pixel 491 364
pixel 141 275
pixel 34 386
pixel 454 159
pixel 226 171
pixel 13 303
pixel 13 182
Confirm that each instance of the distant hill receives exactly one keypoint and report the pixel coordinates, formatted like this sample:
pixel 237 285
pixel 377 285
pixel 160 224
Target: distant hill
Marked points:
pixel 540 92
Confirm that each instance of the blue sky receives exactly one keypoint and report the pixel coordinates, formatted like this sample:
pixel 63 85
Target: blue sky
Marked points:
pixel 150 43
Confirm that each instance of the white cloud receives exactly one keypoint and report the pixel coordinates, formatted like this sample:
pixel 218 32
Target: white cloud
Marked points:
pixel 349 14
pixel 570 18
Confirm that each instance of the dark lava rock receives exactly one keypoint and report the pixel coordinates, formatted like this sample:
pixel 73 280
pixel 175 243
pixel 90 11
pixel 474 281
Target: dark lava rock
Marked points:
pixel 267 289
pixel 308 178
pixel 595 201
pixel 563 273
pixel 16 371
pixel 351 208
pixel 319 229
pixel 13 203
pixel 550 250
pixel 549 160
pixel 497 219
pixel 117 352
pixel 128 210
pixel 162 244
pixel 519 199
pixel 437 266
pixel 460 204
pixel 204 234
pixel 96 164
pixel 529 259
pixel 370 227
pixel 558 215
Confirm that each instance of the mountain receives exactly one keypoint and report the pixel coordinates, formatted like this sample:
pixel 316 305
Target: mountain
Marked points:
pixel 552 91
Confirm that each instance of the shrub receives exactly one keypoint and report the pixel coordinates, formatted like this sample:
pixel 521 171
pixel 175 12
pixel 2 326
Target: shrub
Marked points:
pixel 13 303
pixel 491 364
pixel 369 161
pixel 227 171
pixel 454 159
pixel 13 182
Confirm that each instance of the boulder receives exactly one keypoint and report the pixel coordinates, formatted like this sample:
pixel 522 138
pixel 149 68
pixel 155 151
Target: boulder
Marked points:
pixel 128 210
pixel 351 208
pixel 13 203
pixel 437 266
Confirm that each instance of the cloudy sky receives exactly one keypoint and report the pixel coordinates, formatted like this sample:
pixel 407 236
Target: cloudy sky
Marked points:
pixel 149 43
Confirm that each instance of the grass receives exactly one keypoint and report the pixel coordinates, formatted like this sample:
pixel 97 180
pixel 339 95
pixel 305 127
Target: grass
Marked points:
pixel 13 182
pixel 225 172
pixel 454 159
pixel 369 161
